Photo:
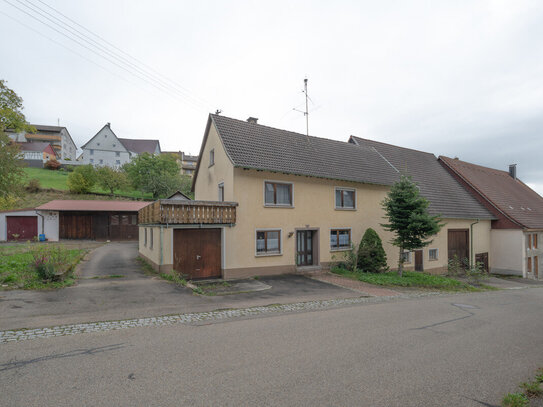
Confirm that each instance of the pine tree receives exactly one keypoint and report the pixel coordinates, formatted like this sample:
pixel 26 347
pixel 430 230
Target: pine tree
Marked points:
pixel 371 255
pixel 408 217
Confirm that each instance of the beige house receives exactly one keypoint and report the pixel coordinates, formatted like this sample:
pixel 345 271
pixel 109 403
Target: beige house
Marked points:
pixel 269 201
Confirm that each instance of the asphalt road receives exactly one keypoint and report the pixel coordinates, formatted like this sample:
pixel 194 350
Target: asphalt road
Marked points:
pixel 458 350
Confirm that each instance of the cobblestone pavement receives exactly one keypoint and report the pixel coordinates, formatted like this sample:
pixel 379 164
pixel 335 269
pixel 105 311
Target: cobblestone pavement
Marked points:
pixel 194 318
pixel 355 285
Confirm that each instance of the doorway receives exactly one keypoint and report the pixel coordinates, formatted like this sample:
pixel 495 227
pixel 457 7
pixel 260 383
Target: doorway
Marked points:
pixel 418 261
pixel 305 241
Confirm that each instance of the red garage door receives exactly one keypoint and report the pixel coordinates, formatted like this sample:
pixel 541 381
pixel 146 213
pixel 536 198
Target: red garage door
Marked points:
pixel 22 227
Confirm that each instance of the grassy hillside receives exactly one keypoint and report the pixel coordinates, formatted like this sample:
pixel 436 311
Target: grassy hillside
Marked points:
pixel 31 200
pixel 57 180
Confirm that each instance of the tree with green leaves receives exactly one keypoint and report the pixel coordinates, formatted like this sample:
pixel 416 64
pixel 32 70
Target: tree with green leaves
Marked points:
pixel 371 255
pixel 111 179
pixel 11 164
pixel 408 218
pixel 157 174
pixel 82 179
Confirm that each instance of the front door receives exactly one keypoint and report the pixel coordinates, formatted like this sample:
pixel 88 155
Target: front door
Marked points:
pixel 458 244
pixel 197 252
pixel 418 261
pixel 304 248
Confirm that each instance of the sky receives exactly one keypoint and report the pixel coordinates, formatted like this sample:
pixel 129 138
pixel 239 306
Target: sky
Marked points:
pixel 456 78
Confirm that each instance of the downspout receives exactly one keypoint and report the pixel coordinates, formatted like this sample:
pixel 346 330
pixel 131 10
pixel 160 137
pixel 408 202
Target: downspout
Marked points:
pixel 42 223
pixel 472 255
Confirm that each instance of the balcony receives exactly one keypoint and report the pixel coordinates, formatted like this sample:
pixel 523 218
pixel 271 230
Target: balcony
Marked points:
pixel 182 212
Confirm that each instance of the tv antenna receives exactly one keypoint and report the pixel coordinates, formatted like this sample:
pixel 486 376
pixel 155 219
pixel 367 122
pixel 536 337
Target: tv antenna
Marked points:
pixel 306 112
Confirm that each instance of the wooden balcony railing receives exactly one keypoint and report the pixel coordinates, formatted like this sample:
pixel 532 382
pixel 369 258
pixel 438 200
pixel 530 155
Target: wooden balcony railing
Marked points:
pixel 174 211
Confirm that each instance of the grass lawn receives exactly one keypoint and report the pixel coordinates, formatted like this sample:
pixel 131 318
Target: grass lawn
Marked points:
pixel 16 271
pixel 409 279
pixel 57 180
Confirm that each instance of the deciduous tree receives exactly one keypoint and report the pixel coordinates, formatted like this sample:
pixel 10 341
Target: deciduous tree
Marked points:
pixel 111 179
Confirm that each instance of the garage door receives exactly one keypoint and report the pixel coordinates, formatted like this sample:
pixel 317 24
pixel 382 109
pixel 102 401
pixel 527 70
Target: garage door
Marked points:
pixel 458 244
pixel 74 226
pixel 22 227
pixel 197 252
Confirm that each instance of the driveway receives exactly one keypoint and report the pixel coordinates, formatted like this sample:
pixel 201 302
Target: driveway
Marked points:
pixel 99 297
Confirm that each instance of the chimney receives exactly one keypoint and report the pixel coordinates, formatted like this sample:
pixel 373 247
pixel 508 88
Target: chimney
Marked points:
pixel 513 171
pixel 253 120
pixel 108 124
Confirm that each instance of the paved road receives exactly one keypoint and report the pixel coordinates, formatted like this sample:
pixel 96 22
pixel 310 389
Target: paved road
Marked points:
pixel 138 295
pixel 458 350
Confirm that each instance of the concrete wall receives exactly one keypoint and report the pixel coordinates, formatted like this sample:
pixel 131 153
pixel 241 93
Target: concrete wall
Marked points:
pixel 47 226
pixel 507 251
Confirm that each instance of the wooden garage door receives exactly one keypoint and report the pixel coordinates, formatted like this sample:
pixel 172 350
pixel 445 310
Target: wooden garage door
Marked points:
pixel 75 226
pixel 22 227
pixel 197 252
pixel 458 244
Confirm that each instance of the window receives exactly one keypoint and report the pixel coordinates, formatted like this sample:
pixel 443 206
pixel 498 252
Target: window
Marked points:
pixel 528 241
pixel 97 144
pixel 433 254
pixel 124 220
pixel 268 242
pixel 277 194
pixel 406 257
pixel 114 145
pixel 114 220
pixel 101 161
pixel 151 239
pixel 118 162
pixel 340 239
pixel 92 152
pixel 117 153
pixel 91 160
pixel 345 198
pixel 221 192
pixel 529 265
pixel 212 157
pixel 134 219
pixel 145 237
pixel 534 241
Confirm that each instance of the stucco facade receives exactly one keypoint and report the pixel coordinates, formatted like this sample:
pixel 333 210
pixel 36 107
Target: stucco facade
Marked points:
pixel 313 208
pixel 105 149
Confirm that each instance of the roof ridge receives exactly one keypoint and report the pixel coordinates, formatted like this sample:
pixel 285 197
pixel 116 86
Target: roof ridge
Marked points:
pixel 392 145
pixel 501 172
pixel 138 139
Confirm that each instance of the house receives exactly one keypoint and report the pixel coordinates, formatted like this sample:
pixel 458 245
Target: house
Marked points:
pixel 270 201
pixel 518 210
pixel 186 162
pixel 73 219
pixel 57 136
pixel 36 154
pixel 106 149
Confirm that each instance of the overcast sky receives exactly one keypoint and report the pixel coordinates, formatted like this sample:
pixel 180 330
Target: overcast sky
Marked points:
pixel 457 78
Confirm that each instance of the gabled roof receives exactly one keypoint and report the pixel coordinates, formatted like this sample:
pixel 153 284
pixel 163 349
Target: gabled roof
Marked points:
pixel 98 132
pixel 140 146
pixel 508 195
pixel 90 205
pixel 179 195
pixel 254 146
pixel 447 197
pixel 53 129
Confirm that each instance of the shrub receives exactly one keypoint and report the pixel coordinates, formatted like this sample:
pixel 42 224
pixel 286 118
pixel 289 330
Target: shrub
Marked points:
pixel 348 261
pixel 82 179
pixel 457 266
pixel 515 400
pixel 50 262
pixel 33 185
pixel 52 164
pixel 371 255
pixel 476 273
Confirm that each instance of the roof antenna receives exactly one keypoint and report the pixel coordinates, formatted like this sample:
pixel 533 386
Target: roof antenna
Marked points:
pixel 306 112
pixel 58 122
pixel 218 112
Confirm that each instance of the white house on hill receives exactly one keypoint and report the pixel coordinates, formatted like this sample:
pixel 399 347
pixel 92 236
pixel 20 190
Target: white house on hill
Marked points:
pixel 106 149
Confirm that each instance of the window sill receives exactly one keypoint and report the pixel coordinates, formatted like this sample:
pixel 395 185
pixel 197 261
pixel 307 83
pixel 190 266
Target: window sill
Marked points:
pixel 279 206
pixel 268 254
pixel 341 249
pixel 345 209
pixel 433 259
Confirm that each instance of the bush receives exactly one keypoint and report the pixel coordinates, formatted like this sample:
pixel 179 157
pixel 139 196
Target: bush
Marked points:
pixel 82 179
pixel 33 185
pixel 348 261
pixel 371 255
pixel 52 164
pixel 50 263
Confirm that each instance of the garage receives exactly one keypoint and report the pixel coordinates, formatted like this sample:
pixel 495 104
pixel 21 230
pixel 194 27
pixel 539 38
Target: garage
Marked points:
pixel 21 227
pixel 197 252
pixel 96 220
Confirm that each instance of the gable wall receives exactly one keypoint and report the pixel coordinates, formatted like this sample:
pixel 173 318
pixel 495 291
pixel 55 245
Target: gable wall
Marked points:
pixel 105 147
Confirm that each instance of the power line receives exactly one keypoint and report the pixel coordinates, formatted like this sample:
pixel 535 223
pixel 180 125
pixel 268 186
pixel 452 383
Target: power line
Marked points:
pixel 125 53
pixel 160 87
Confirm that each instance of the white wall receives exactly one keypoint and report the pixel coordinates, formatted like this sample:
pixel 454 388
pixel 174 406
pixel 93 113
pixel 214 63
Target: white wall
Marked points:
pixel 105 146
pixel 507 251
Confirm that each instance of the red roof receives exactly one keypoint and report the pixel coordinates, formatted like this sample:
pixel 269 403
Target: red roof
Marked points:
pixel 509 195
pixel 89 205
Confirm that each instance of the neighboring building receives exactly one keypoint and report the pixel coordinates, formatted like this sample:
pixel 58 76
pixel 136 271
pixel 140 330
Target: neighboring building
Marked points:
pixel 57 136
pixel 270 201
pixel 106 149
pixel 36 154
pixel 186 162
pixel 73 219
pixel 518 228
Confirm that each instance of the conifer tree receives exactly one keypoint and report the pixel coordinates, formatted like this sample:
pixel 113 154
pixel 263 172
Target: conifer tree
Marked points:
pixel 371 255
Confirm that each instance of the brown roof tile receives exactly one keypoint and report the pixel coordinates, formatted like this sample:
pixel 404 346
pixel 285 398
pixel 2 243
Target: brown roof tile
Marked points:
pixel 510 196
pixel 140 146
pixel 90 205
